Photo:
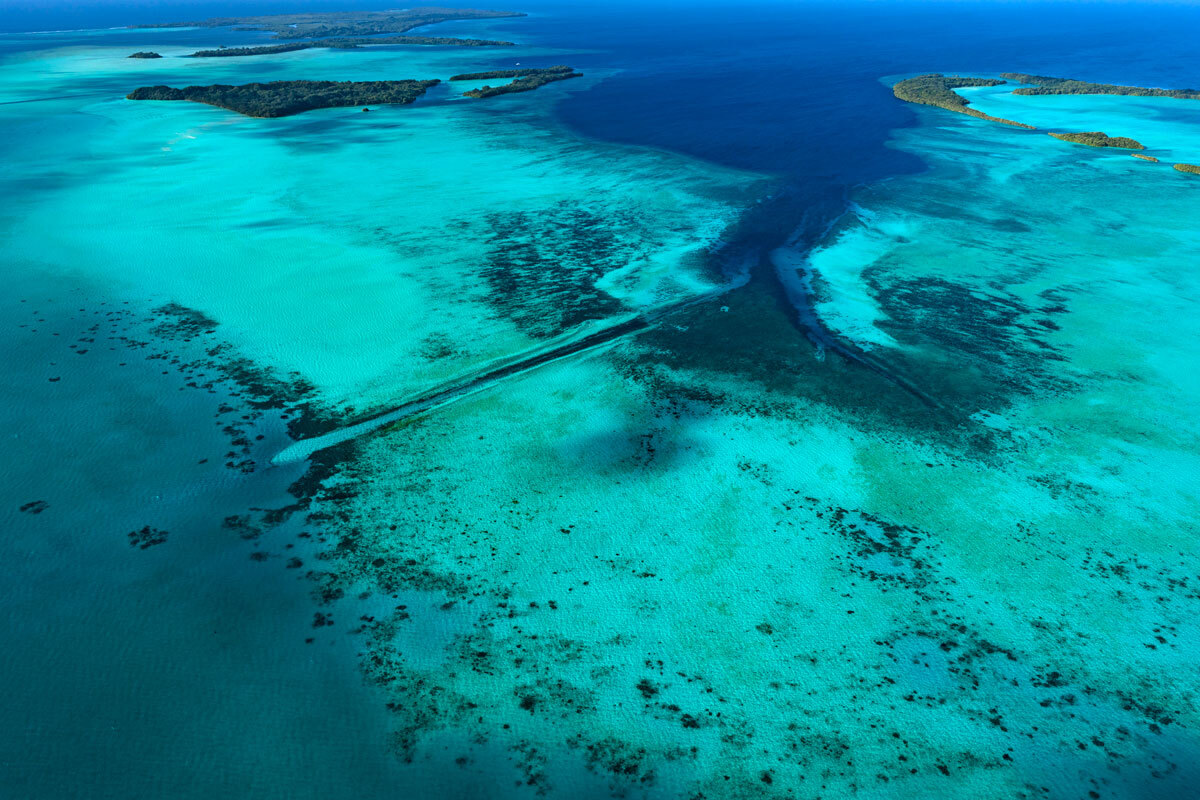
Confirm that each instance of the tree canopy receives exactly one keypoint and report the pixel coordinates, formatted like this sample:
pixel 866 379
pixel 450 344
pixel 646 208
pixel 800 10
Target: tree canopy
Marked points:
pixel 284 98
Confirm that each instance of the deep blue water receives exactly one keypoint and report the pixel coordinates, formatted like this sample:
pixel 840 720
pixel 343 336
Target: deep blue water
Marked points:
pixel 794 89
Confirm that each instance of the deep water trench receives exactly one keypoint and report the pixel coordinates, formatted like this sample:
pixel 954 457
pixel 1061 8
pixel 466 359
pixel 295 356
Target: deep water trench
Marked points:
pixel 787 273
pixel 790 280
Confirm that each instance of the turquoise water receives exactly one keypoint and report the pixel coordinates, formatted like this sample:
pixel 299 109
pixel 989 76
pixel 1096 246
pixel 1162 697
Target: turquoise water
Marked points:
pixel 1168 128
pixel 922 526
pixel 437 190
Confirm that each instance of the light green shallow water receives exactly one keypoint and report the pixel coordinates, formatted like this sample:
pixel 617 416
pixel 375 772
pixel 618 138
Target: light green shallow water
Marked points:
pixel 793 580
pixel 374 253
pixel 702 563
pixel 1167 127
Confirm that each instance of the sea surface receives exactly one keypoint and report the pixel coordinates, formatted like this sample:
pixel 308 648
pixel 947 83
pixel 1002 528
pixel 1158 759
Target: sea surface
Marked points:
pixel 881 478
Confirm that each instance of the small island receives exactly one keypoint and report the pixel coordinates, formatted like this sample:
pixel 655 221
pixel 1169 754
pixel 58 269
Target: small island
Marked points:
pixel 341 23
pixel 511 73
pixel 145 54
pixel 526 80
pixel 1048 85
pixel 936 89
pixel 347 44
pixel 1100 139
pixel 285 98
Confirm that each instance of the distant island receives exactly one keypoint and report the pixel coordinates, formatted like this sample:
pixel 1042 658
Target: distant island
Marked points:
pixel 526 79
pixel 347 44
pixel 145 54
pixel 936 89
pixel 285 98
pixel 511 73
pixel 1048 85
pixel 1100 139
pixel 341 23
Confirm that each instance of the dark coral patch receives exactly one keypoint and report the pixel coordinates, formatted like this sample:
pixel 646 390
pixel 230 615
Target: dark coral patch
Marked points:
pixel 146 536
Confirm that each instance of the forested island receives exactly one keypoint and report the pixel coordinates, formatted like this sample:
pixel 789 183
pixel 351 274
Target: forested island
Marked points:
pixel 145 54
pixel 526 79
pixel 511 73
pixel 1100 139
pixel 347 44
pixel 285 98
pixel 341 23
pixel 1048 85
pixel 936 89
pixel 1145 158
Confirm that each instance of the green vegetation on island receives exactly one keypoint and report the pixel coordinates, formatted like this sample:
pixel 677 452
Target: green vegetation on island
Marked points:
pixel 528 81
pixel 937 90
pixel 284 98
pixel 511 73
pixel 266 49
pixel 1144 158
pixel 342 23
pixel 1100 139
pixel 1048 85
pixel 145 54
pixel 347 44
pixel 1192 168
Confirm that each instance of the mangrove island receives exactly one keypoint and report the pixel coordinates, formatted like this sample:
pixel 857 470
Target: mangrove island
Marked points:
pixel 526 79
pixel 346 44
pixel 1048 85
pixel 936 89
pixel 341 23
pixel 1100 139
pixel 285 98
pixel 511 73
pixel 145 54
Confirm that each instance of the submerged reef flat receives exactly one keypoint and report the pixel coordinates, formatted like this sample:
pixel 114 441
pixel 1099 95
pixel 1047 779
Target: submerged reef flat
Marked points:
pixel 1192 168
pixel 937 90
pixel 145 54
pixel 285 98
pixel 1048 85
pixel 929 595
pixel 1100 139
pixel 721 558
pixel 347 44
pixel 341 23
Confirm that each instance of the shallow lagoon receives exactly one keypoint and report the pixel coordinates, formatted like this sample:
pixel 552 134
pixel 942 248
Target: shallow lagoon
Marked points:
pixel 1169 128
pixel 997 592
pixel 376 228
pixel 705 559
